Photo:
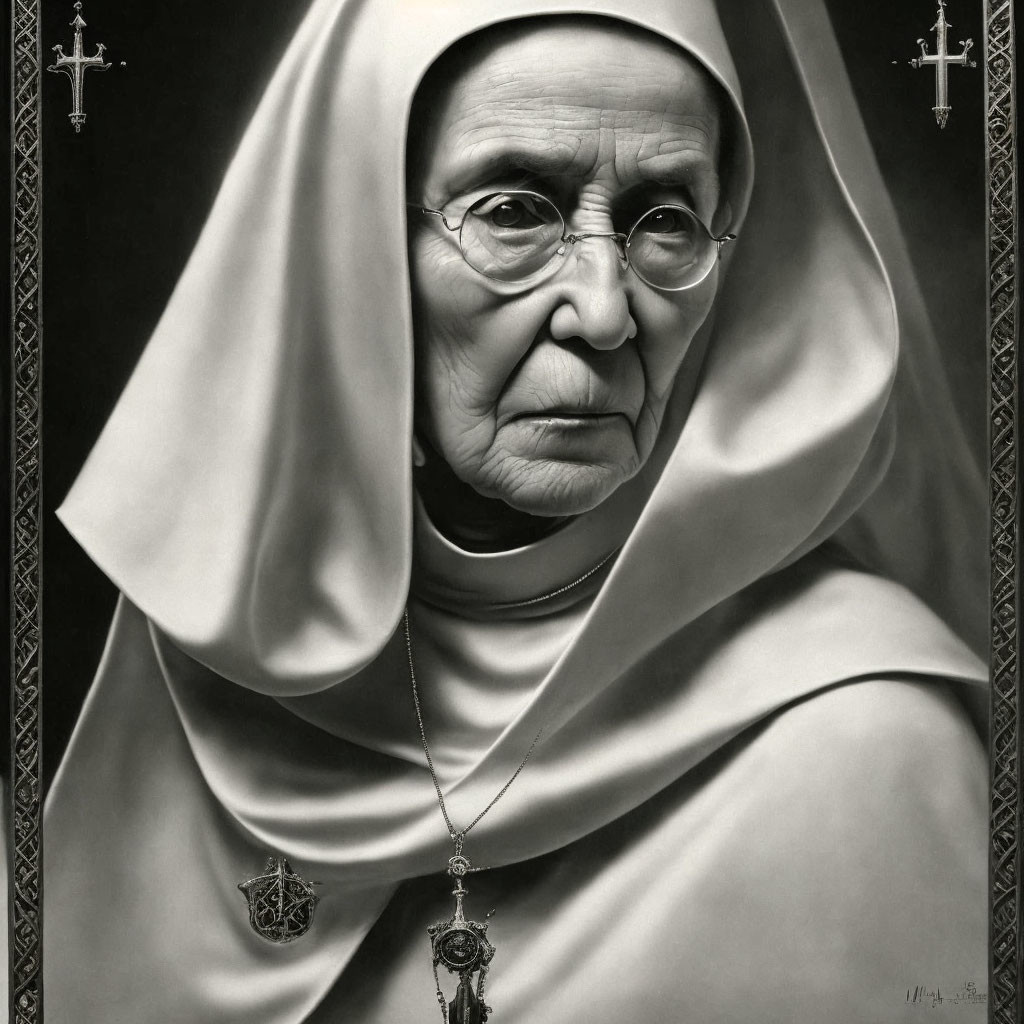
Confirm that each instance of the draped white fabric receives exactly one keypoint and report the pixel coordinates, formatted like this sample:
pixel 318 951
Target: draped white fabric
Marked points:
pixel 251 496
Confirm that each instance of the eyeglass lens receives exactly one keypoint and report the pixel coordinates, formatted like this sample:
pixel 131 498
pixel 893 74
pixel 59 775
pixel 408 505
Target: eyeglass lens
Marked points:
pixel 511 236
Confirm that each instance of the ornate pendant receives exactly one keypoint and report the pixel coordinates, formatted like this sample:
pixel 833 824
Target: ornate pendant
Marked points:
pixel 281 903
pixel 461 946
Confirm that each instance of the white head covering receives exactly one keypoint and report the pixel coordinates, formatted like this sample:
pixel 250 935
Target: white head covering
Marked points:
pixel 251 496
pixel 251 491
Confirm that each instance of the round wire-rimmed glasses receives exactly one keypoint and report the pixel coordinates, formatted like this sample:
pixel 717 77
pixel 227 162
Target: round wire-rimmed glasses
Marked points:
pixel 514 236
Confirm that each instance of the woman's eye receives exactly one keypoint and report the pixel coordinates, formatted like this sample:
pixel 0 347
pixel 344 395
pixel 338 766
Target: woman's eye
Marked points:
pixel 511 210
pixel 664 221
pixel 514 213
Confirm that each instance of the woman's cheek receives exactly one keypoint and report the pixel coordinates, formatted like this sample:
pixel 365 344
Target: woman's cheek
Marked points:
pixel 666 332
pixel 461 373
pixel 488 346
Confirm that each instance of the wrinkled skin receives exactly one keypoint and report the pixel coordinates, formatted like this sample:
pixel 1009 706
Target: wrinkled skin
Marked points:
pixel 550 398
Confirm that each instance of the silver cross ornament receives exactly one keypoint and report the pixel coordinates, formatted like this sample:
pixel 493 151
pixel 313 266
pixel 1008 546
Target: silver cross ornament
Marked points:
pixel 76 66
pixel 941 60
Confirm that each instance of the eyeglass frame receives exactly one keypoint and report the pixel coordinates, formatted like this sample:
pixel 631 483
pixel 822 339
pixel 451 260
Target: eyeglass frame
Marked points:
pixel 572 239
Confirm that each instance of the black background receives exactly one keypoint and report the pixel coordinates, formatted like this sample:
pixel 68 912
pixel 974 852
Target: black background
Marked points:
pixel 125 200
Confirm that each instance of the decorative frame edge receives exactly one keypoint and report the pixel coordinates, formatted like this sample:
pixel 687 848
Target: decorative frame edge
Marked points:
pixel 24 817
pixel 1005 947
pixel 1006 963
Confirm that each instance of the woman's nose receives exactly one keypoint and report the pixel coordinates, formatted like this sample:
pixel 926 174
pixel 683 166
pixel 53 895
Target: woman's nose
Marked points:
pixel 594 301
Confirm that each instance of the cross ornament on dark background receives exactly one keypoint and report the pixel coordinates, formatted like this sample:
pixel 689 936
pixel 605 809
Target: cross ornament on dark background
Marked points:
pixel 76 66
pixel 941 59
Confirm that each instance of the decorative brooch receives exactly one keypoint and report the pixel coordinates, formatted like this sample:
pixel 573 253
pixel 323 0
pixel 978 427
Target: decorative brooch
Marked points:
pixel 281 903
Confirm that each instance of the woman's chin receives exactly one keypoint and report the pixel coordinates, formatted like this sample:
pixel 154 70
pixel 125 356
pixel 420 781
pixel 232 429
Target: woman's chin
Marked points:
pixel 558 489
pixel 563 465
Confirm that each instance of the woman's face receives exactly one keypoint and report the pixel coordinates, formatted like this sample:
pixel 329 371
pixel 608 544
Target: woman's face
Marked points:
pixel 552 396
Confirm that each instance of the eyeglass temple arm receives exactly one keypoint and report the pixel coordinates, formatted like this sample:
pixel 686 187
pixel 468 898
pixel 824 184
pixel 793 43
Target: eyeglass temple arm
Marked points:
pixel 723 240
pixel 434 213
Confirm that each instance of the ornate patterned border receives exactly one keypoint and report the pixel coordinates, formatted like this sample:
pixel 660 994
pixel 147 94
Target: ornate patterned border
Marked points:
pixel 25 853
pixel 1006 947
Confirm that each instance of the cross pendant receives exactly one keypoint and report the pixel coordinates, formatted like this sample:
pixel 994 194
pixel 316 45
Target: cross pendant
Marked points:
pixel 76 66
pixel 461 947
pixel 942 59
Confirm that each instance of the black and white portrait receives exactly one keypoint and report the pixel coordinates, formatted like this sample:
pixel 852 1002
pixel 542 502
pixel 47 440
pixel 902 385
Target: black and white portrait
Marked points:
pixel 517 543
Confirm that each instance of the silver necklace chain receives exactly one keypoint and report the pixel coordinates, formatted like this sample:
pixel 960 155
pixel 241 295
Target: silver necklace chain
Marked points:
pixel 458 835
pixel 569 586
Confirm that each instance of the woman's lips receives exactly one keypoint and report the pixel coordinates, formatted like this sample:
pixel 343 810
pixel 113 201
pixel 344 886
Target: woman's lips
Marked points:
pixel 564 435
pixel 568 417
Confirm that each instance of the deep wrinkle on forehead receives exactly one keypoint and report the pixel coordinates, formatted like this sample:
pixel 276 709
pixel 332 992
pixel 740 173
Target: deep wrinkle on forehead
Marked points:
pixel 514 114
pixel 500 160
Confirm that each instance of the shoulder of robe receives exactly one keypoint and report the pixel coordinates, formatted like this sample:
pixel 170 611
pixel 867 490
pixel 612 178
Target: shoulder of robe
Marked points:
pixel 880 757
pixel 884 736
pixel 864 814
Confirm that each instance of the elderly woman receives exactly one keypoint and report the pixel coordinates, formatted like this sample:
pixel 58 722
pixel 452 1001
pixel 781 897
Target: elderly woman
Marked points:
pixel 511 505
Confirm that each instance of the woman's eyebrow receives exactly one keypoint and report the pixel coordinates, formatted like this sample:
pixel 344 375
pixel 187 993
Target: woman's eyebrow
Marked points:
pixel 691 169
pixel 686 166
pixel 488 162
